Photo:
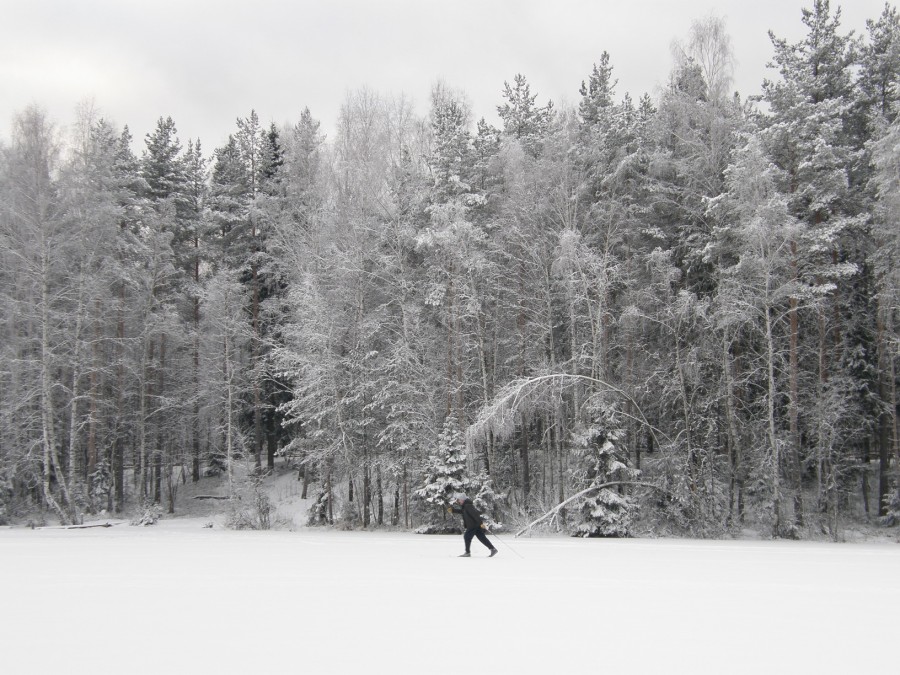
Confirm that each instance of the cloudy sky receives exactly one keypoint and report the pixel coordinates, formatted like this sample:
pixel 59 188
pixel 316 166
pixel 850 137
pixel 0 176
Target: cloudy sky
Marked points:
pixel 207 62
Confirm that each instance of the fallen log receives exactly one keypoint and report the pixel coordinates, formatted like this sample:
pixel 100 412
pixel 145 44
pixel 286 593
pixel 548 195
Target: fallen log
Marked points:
pixel 211 497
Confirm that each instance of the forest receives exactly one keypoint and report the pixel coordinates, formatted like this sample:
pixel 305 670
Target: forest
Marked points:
pixel 673 314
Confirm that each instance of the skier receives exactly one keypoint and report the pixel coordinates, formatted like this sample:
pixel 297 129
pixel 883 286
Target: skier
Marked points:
pixel 473 521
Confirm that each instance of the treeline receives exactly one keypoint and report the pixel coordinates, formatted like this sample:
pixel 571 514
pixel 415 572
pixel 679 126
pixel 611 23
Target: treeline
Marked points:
pixel 682 307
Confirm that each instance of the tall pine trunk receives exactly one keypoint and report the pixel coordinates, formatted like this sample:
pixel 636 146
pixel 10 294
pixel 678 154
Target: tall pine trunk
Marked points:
pixel 774 449
pixel 195 421
pixel 794 468
pixel 229 404
pixel 118 451
pixel 255 356
pixel 887 420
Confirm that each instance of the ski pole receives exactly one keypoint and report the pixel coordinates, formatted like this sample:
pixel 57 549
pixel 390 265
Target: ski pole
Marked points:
pixel 497 536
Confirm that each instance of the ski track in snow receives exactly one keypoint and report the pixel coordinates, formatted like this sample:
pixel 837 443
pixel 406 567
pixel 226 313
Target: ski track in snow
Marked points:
pixel 179 598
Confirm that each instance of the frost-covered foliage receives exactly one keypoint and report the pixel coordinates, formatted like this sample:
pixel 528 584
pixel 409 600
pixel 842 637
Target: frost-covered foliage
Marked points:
pixel 6 497
pixel 318 511
pixel 348 518
pixel 100 484
pixel 673 510
pixel 149 514
pixel 522 119
pixel 216 464
pixel 443 475
pixel 444 472
pixel 605 512
pixel 490 502
pixel 892 517
pixel 252 508
pixel 723 274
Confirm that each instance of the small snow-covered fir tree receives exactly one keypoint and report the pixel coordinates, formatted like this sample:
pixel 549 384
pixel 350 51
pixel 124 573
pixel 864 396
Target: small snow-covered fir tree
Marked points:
pixel 443 475
pixel 100 485
pixel 488 501
pixel 892 509
pixel 603 512
pixel 147 514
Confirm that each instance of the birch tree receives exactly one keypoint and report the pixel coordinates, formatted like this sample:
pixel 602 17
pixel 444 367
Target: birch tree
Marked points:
pixel 36 244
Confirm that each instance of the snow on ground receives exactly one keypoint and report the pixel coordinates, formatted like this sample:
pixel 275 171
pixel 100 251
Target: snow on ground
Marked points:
pixel 180 598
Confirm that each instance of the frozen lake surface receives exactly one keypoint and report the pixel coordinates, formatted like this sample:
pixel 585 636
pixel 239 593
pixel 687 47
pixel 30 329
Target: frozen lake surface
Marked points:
pixel 180 598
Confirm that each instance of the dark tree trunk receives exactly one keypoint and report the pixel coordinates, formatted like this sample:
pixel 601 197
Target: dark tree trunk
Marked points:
pixel 379 497
pixel 526 468
pixel 793 462
pixel 118 452
pixel 195 422
pixel 271 447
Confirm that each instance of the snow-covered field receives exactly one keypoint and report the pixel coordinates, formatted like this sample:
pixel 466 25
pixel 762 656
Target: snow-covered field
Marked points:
pixel 179 598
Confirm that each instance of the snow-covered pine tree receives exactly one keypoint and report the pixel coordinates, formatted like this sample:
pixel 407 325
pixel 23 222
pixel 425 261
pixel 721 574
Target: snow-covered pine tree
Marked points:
pixel 879 84
pixel 486 172
pixel 443 475
pixel 886 273
pixel 489 501
pixel 522 119
pixel 604 512
pixel 161 165
pixel 812 111
pixel 879 76
pixel 301 170
pixel 100 482
pixel 450 161
pixel 597 93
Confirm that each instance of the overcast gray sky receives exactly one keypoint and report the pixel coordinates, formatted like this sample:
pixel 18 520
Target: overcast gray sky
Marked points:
pixel 207 62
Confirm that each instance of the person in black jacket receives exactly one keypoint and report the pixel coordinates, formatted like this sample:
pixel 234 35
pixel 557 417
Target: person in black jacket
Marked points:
pixel 473 522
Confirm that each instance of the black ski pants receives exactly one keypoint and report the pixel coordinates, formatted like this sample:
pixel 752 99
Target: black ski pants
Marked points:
pixel 476 532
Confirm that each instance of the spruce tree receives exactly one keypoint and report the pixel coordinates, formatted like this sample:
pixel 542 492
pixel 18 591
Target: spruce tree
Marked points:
pixel 597 446
pixel 161 165
pixel 444 474
pixel 302 157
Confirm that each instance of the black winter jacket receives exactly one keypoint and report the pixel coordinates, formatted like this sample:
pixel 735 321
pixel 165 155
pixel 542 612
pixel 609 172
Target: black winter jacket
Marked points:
pixel 471 515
